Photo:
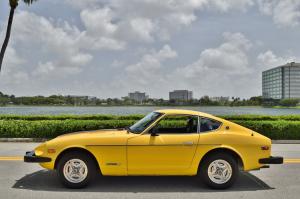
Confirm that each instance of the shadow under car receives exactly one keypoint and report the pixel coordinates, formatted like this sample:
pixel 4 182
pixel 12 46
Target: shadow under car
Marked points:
pixel 45 180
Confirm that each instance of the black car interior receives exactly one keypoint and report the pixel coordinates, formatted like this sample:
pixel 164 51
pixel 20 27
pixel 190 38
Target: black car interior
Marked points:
pixel 189 127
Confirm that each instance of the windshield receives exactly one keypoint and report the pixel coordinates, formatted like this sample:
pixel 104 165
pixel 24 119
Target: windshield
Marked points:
pixel 142 124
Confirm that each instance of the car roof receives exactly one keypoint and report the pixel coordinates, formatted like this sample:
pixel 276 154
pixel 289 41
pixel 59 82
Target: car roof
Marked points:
pixel 185 112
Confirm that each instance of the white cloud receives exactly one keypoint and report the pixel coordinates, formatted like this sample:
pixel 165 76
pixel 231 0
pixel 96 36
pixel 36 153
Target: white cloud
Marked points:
pixel 49 71
pixel 80 4
pixel 226 5
pixel 266 6
pixel 150 64
pixel 146 21
pixel 61 46
pixel 100 31
pixel 12 72
pixel 44 68
pixel 227 59
pixel 146 74
pixel 98 21
pixel 182 13
pixel 284 12
pixel 61 43
pixel 81 59
pixel 11 58
pixel 224 68
pixel 268 60
pixel 143 28
pixel 106 35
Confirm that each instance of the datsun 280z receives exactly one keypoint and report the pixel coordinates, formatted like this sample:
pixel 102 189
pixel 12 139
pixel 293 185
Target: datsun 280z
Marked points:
pixel 165 142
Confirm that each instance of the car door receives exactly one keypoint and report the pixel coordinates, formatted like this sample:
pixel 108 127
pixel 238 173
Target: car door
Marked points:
pixel 164 149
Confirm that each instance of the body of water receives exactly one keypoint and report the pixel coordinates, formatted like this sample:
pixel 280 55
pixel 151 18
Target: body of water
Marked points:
pixel 126 110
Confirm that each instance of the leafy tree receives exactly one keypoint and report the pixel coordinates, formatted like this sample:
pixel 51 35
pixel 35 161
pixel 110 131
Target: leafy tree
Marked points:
pixel 204 100
pixel 289 102
pixel 13 5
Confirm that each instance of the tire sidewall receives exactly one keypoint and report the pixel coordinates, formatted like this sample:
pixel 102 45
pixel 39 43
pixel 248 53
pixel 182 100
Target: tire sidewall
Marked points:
pixel 203 170
pixel 76 155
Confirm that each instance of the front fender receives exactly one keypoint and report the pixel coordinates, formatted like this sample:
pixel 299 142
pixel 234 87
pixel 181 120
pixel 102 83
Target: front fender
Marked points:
pixel 58 151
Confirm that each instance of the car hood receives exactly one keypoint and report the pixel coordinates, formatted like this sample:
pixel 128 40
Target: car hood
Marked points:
pixel 97 137
pixel 84 139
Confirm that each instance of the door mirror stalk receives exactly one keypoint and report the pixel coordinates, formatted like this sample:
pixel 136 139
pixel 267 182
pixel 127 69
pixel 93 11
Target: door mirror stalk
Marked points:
pixel 154 132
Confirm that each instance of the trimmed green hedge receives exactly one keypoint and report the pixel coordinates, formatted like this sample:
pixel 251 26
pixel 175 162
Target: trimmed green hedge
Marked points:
pixel 53 128
pixel 70 117
pixel 276 130
pixel 279 129
pixel 137 117
pixel 262 117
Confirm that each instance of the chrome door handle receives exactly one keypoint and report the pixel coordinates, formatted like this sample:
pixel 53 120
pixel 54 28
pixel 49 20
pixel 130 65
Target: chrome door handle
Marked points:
pixel 188 143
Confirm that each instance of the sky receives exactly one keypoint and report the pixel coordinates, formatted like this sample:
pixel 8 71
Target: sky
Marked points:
pixel 107 48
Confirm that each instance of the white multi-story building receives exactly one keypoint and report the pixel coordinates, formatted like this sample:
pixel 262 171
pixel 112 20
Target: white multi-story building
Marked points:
pixel 282 82
pixel 219 99
pixel 181 95
pixel 138 96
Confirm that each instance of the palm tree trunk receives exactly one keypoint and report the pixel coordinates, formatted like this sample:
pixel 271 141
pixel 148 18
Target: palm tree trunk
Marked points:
pixel 7 36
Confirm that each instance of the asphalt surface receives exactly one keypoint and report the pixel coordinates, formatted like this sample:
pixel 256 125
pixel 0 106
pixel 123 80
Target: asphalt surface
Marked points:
pixel 27 180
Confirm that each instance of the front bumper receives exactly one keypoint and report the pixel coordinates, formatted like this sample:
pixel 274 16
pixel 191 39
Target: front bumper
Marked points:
pixel 271 160
pixel 31 157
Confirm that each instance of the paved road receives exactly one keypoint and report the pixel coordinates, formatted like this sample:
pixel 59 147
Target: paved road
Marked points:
pixel 20 180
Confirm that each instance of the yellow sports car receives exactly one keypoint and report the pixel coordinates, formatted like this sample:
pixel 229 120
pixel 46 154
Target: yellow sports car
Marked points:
pixel 165 142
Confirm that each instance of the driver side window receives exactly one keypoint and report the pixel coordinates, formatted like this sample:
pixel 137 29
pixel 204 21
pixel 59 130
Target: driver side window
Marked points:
pixel 176 124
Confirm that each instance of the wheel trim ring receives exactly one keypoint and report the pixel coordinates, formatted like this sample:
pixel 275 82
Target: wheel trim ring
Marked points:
pixel 75 170
pixel 219 171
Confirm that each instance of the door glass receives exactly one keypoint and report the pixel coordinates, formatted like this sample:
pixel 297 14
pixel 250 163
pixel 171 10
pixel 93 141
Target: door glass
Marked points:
pixel 176 124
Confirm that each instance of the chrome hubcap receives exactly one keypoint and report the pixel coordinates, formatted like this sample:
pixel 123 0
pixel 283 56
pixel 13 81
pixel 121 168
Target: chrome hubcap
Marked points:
pixel 75 170
pixel 219 171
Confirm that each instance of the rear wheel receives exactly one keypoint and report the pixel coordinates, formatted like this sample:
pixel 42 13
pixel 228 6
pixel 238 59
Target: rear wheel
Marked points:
pixel 76 170
pixel 219 171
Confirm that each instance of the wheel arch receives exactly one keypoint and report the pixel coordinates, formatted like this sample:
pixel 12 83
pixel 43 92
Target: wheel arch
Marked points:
pixel 226 150
pixel 77 149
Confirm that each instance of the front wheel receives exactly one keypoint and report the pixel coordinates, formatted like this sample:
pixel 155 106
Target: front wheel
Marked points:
pixel 76 170
pixel 219 171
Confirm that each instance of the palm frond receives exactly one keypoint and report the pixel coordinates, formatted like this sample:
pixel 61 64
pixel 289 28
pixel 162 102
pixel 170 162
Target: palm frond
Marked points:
pixel 28 2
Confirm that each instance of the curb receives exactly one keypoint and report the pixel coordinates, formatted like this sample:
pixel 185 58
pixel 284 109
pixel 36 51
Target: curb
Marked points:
pixel 285 141
pixel 45 139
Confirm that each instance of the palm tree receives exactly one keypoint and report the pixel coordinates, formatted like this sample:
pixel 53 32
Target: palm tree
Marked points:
pixel 13 5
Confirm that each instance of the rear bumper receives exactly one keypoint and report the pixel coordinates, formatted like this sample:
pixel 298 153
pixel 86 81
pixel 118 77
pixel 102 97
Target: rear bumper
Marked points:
pixel 271 160
pixel 31 157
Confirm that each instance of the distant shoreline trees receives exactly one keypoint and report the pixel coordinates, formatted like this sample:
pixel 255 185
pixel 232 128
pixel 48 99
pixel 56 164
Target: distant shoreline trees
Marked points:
pixel 71 100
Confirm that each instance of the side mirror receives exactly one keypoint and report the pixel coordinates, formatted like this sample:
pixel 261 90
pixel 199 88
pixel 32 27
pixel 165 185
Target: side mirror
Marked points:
pixel 154 132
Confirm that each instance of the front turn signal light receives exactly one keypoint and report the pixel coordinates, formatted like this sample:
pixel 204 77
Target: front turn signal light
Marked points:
pixel 51 150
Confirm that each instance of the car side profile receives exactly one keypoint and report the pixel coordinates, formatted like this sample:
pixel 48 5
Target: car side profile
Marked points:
pixel 164 142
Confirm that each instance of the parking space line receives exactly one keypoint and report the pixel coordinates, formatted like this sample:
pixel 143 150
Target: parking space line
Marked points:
pixel 291 160
pixel 11 158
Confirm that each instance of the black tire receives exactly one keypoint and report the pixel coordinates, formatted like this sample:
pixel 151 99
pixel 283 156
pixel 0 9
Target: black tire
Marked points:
pixel 89 162
pixel 203 170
